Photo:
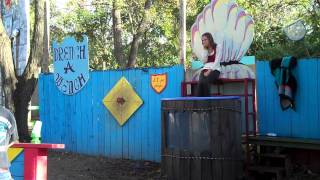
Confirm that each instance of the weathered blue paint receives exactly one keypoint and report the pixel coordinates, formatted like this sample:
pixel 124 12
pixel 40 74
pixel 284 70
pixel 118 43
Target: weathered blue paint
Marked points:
pixel 200 98
pixel 249 60
pixel 305 121
pixel 71 64
pixel 84 125
pixel 17 167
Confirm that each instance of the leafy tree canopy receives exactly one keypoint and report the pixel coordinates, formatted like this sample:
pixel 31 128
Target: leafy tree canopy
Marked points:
pixel 160 43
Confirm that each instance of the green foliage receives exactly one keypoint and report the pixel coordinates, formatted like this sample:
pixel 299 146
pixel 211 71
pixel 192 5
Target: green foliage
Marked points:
pixel 158 46
pixel 90 20
pixel 271 16
pixel 160 43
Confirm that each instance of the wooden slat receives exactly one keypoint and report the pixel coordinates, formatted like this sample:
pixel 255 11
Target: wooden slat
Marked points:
pixel 78 111
pixel 68 124
pixel 304 122
pixel 169 164
pixel 41 101
pixel 170 75
pixel 301 143
pixel 144 122
pixel 216 144
pixel 107 117
pixel 59 115
pixel 44 109
pixel 42 145
pixel 195 166
pixel 17 167
pixel 318 101
pixel 206 166
pixel 272 99
pixel 176 165
pixel 153 105
pixel 54 134
pixel 95 97
pixel 126 127
pixel 78 116
pixel 86 118
pixel 270 155
pixel 83 123
pixel 132 123
pixel 268 169
pixel 148 112
pixel 116 130
pixel 184 171
pixel 306 125
pixel 74 125
pixel 99 113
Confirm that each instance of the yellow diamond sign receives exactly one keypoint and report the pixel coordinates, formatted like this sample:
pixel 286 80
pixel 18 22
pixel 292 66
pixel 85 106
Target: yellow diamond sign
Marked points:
pixel 122 101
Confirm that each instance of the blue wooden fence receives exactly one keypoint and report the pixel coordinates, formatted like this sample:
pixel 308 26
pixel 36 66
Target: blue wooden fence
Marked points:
pixel 84 125
pixel 305 121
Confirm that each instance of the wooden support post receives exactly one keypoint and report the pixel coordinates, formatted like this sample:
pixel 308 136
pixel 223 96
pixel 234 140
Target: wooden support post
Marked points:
pixel 35 159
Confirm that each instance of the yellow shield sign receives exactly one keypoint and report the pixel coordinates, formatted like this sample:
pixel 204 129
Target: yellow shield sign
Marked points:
pixel 158 82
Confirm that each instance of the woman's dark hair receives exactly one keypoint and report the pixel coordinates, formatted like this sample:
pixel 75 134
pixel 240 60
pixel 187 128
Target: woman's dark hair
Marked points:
pixel 210 38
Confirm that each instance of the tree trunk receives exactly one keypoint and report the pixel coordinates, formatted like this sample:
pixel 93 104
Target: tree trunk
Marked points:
pixel 137 37
pixel 29 79
pixel 22 98
pixel 18 91
pixel 8 74
pixel 182 32
pixel 117 33
pixel 45 62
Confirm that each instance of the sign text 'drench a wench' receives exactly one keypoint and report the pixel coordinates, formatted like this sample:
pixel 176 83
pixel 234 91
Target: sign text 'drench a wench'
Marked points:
pixel 71 65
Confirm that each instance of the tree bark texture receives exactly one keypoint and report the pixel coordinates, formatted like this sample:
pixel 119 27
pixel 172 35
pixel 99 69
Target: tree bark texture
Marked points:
pixel 8 74
pixel 117 33
pixel 182 30
pixel 145 21
pixel 18 90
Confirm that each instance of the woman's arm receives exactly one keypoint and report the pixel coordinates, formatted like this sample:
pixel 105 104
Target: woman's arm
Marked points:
pixel 203 57
pixel 216 64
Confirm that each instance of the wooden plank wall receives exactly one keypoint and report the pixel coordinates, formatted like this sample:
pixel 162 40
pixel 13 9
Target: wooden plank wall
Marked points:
pixel 305 121
pixel 17 167
pixel 84 125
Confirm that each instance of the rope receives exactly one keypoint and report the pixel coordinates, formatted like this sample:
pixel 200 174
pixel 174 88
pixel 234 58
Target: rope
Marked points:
pixel 201 158
pixel 234 109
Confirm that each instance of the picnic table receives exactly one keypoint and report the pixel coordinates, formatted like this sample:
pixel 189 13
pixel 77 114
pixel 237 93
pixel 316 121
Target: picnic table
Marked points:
pixel 36 158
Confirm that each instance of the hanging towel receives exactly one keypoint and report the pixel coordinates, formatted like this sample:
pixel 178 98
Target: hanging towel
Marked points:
pixel 286 82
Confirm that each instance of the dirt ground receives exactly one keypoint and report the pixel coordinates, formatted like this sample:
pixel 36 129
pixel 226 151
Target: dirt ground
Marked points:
pixel 70 166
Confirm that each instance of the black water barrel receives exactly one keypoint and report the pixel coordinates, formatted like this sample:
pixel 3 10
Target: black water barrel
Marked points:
pixel 201 138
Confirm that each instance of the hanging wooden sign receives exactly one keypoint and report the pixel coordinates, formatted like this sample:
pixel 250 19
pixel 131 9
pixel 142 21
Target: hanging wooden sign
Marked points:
pixel 71 65
pixel 159 82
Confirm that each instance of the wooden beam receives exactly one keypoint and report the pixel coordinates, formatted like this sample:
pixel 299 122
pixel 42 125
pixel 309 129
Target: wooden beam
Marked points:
pixel 288 142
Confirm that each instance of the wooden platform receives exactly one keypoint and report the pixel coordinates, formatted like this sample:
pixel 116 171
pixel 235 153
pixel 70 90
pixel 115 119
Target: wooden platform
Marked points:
pixel 288 142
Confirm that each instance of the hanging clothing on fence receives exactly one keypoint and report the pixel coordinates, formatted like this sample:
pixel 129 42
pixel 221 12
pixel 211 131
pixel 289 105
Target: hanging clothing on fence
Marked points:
pixel 286 82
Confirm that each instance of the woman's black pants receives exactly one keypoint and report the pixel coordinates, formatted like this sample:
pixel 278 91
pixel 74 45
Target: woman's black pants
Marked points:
pixel 203 88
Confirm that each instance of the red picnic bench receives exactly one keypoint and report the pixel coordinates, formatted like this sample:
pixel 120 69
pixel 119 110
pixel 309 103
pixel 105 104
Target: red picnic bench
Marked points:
pixel 35 159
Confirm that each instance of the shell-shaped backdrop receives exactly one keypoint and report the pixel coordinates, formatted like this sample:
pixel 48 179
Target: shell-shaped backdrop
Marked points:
pixel 231 27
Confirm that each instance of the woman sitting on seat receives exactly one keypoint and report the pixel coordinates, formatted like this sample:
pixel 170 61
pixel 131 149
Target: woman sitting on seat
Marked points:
pixel 211 70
